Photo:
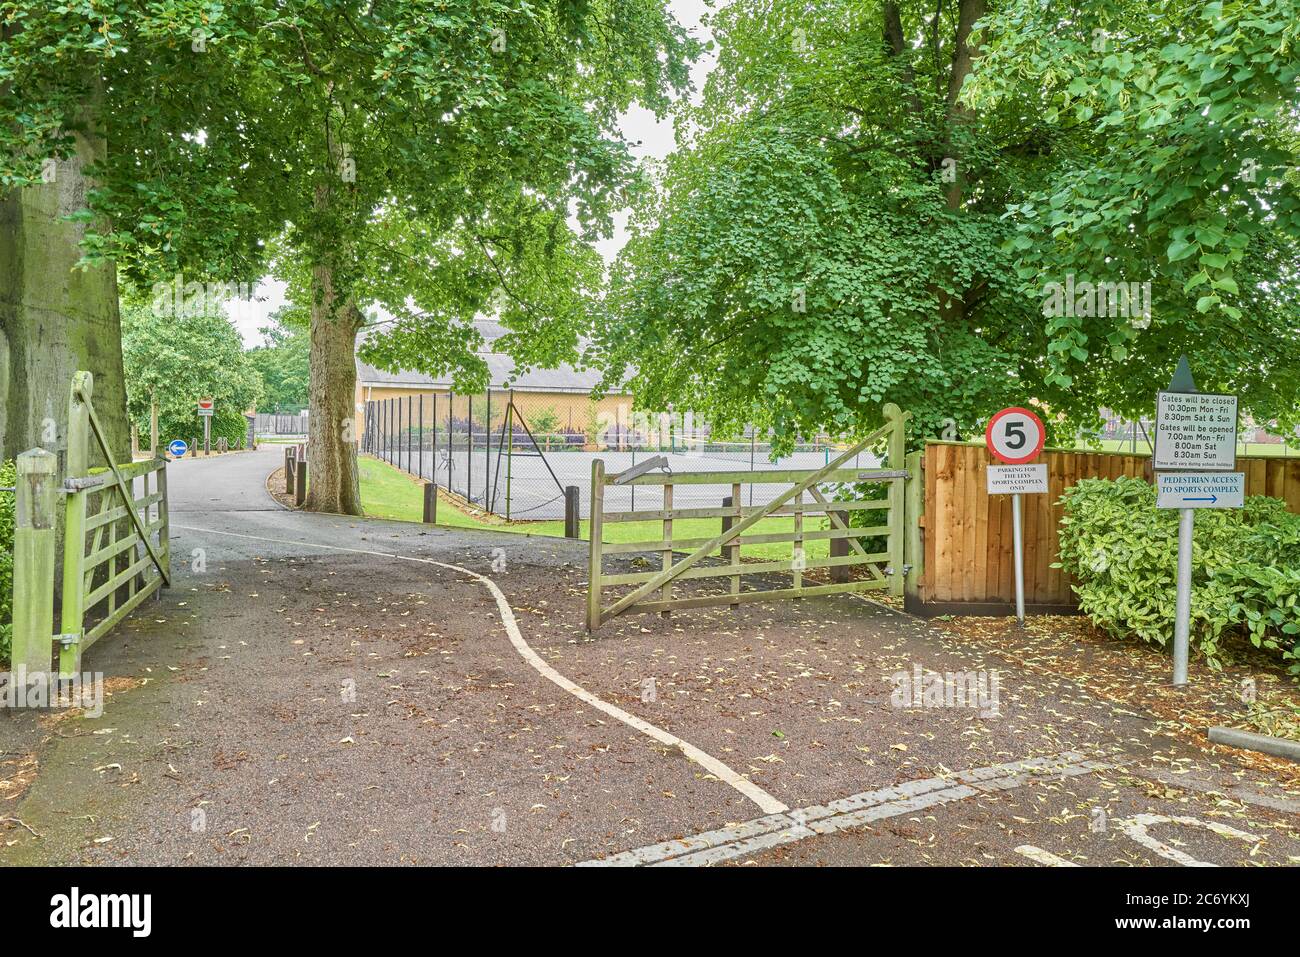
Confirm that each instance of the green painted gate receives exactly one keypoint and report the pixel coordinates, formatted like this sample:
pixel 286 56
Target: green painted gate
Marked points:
pixel 653 591
pixel 115 545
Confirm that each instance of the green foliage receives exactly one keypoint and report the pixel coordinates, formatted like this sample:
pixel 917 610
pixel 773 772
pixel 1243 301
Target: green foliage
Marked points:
pixel 544 421
pixel 283 363
pixel 1123 552
pixel 7 478
pixel 842 227
pixel 1171 133
pixel 180 359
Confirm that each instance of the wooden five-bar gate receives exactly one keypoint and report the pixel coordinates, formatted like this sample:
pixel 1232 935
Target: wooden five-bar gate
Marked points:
pixel 653 590
pixel 115 543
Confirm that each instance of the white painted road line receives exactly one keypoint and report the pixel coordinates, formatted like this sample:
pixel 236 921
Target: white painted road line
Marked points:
pixel 856 810
pixel 766 802
pixel 1040 856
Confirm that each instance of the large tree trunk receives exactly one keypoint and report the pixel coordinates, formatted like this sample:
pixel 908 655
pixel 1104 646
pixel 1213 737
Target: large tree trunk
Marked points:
pixel 331 439
pixel 55 320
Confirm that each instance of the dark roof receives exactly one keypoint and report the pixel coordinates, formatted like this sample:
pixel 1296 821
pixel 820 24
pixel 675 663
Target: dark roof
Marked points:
pixel 562 378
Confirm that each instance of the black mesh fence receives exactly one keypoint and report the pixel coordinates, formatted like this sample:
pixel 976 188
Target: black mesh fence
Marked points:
pixel 513 454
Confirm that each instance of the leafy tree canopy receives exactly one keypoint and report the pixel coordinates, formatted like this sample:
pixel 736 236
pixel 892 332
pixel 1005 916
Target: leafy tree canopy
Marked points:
pixel 178 357
pixel 875 196
pixel 283 362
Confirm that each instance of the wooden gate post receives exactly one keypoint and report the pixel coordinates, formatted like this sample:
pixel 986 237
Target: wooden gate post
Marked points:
pixel 34 528
pixel 897 460
pixel 300 482
pixel 430 503
pixel 595 531
pixel 913 551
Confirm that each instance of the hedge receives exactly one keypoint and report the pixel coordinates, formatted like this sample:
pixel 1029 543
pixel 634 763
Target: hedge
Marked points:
pixel 1123 553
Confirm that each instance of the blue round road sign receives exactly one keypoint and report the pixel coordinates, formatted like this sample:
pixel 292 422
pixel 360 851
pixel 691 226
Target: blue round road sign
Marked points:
pixel 178 447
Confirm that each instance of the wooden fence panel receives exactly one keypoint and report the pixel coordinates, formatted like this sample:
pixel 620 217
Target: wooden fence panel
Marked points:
pixel 967 533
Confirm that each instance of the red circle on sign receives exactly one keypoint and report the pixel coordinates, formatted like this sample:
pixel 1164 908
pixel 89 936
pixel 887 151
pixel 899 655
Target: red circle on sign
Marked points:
pixel 1008 458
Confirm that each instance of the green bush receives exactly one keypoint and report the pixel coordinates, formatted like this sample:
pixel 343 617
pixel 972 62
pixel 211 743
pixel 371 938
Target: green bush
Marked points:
pixel 7 478
pixel 1123 553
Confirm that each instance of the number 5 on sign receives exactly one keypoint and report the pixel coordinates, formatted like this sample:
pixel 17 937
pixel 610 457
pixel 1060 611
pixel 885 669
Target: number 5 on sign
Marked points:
pixel 1016 436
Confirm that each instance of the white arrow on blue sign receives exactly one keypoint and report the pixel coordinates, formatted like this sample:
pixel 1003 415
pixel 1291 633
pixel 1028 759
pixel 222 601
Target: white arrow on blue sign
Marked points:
pixel 1200 489
pixel 178 447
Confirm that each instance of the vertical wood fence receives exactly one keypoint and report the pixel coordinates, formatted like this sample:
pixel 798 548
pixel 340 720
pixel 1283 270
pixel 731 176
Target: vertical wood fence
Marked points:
pixel 966 533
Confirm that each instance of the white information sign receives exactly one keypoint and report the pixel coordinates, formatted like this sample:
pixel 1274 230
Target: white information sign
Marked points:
pixel 1195 431
pixel 1017 479
pixel 1201 490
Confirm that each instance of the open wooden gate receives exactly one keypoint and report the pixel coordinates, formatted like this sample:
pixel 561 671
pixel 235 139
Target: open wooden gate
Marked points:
pixel 653 590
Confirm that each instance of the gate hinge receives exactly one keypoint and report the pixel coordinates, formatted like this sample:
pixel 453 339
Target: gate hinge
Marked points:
pixel 71 639
pixel 889 569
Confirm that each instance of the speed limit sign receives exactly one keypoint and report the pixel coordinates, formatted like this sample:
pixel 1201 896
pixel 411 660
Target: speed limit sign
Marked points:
pixel 1015 436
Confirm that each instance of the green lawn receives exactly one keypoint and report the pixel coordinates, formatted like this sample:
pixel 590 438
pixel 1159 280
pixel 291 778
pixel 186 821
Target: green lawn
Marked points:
pixel 389 493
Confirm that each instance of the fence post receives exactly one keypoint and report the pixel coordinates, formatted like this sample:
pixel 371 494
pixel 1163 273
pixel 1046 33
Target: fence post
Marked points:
pixel 300 482
pixel 897 458
pixel 572 528
pixel 33 599
pixel 288 469
pixel 430 503
pixel 913 553
pixel 595 532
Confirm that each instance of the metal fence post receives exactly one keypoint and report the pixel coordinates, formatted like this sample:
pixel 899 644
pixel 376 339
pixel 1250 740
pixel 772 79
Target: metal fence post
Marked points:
pixel 34 527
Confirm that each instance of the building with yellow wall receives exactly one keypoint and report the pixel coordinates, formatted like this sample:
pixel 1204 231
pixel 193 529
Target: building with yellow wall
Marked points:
pixel 556 403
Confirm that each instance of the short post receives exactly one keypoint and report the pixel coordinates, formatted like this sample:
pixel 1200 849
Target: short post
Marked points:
pixel 1183 606
pixel 288 470
pixel 300 482
pixel 727 502
pixel 430 503
pixel 33 599
pixel 839 547
pixel 153 426
pixel 571 521
pixel 135 442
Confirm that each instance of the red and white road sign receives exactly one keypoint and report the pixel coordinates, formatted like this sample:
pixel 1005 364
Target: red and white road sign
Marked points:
pixel 1015 436
pixel 205 406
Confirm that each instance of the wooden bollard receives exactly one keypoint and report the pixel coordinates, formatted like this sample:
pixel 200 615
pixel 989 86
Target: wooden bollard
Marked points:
pixel 430 503
pixel 840 548
pixel 572 525
pixel 299 483
pixel 288 471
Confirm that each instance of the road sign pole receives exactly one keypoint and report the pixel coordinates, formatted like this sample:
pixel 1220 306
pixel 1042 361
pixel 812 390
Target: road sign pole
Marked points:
pixel 1183 609
pixel 1017 532
pixel 207 435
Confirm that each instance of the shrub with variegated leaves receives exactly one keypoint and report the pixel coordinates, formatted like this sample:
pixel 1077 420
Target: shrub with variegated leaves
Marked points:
pixel 1122 553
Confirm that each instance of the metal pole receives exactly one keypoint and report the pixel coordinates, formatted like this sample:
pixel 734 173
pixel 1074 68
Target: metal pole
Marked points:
pixel 487 445
pixel 1183 610
pixel 419 465
pixel 1019 538
pixel 207 435
pixel 451 441
pixel 510 451
pixel 469 448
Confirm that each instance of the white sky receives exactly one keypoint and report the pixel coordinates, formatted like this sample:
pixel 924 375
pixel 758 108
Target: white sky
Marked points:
pixel 657 140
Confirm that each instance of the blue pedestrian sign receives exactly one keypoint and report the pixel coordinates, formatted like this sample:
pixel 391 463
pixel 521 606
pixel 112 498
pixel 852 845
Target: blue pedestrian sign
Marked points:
pixel 178 447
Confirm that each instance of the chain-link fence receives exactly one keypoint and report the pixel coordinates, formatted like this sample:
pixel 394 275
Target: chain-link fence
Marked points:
pixel 514 453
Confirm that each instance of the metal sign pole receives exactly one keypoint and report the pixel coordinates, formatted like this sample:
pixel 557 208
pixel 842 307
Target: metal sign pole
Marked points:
pixel 207 435
pixel 1183 609
pixel 1019 539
